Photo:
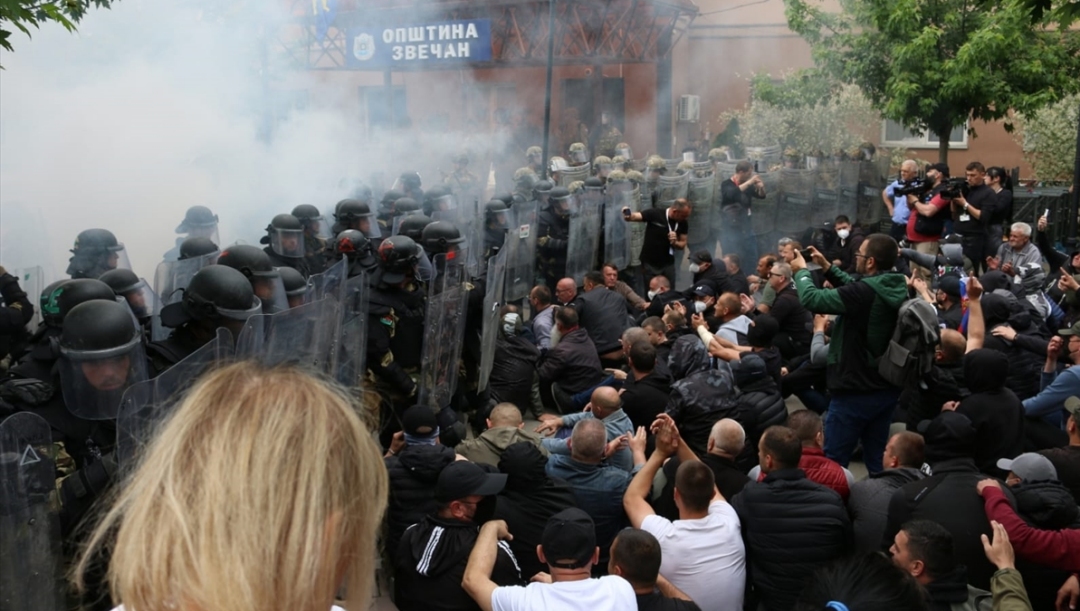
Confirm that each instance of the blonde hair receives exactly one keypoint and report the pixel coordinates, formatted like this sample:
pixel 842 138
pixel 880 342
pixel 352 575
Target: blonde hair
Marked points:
pixel 264 491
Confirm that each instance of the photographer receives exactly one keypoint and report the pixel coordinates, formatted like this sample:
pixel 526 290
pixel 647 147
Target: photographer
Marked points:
pixel 925 225
pixel 967 210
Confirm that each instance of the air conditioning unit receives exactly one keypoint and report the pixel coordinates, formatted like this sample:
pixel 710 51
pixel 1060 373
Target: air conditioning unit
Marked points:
pixel 690 108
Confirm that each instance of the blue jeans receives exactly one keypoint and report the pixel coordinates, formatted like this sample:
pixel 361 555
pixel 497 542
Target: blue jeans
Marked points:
pixel 859 416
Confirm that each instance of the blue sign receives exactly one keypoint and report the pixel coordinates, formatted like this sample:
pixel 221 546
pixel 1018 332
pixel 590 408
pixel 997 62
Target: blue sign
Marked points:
pixel 437 43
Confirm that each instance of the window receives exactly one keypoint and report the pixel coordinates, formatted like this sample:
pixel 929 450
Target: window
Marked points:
pixel 895 134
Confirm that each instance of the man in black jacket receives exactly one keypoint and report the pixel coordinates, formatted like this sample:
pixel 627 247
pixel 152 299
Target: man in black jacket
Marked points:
pixel 433 553
pixel 602 313
pixel 948 497
pixel 727 441
pixel 645 390
pixel 530 498
pixel 868 503
pixel 925 550
pixel 572 365
pixel 794 337
pixel 710 272
pixel 413 473
pixel 735 230
pixel 791 525
pixel 660 295
pixel 739 283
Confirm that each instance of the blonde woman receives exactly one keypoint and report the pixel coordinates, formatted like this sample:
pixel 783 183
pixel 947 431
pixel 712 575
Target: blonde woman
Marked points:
pixel 263 492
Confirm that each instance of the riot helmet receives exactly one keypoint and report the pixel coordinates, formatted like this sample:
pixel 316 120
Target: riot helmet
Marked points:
pixel 603 165
pixel 405 205
pixel 315 225
pixel 559 199
pixel 442 237
pixel 363 193
pixel 622 149
pixel 719 154
pixel 285 235
pixel 534 154
pixel 191 248
pixel 656 163
pixel 386 204
pixel 216 295
pixel 495 214
pixel 557 164
pixel 199 222
pixel 135 291
pixel 355 246
pixel 398 256
pixel 61 296
pixel 578 153
pixel 101 355
pixel 439 203
pixel 96 251
pixel 255 265
pixel 541 191
pixel 353 214
pixel 413 226
pixel 684 167
pixel 616 176
pixel 525 180
pixel 635 177
pixel 593 182
pixel 296 286
pixel 410 181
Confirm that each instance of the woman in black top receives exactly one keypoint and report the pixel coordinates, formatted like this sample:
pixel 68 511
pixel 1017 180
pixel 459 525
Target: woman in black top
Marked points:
pixel 999 209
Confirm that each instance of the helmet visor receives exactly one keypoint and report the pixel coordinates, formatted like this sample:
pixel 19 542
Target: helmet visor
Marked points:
pixel 142 300
pixel 367 225
pixel 94 382
pixel 624 152
pixel 288 242
pixel 270 290
pixel 579 156
pixel 209 231
pixel 173 276
pixel 317 228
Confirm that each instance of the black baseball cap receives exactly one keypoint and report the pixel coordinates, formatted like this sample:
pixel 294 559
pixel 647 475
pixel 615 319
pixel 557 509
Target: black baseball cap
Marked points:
pixel 419 421
pixel 704 290
pixel 462 478
pixel 940 167
pixel 569 539
pixel 950 285
pixel 701 256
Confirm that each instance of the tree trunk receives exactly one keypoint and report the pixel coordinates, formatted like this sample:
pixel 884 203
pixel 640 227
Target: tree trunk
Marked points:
pixel 943 147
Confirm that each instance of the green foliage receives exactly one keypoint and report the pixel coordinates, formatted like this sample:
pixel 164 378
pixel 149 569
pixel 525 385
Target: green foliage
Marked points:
pixel 24 14
pixel 803 113
pixel 1048 137
pixel 933 64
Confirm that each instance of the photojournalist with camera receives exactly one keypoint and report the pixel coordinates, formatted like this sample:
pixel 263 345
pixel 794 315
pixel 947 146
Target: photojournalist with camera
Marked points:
pixel 927 221
pixel 967 210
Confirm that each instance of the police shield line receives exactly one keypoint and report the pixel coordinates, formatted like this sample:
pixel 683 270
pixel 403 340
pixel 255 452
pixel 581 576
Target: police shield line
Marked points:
pixel 398 299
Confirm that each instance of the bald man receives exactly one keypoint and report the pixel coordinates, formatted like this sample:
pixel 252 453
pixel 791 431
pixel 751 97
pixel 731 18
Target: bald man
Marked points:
pixel 606 406
pixel 504 428
pixel 897 204
pixel 565 291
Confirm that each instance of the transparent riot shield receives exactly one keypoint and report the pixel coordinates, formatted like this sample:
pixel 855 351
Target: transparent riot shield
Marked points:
pixel 637 230
pixel 493 302
pixel 671 188
pixel 617 234
pixel 574 174
pixel 584 240
pixel 32 282
pixel 349 352
pixel 520 251
pixel 329 282
pixel 444 330
pixel 31 569
pixel 171 277
pixel 303 336
pixel 147 405
pixel 700 192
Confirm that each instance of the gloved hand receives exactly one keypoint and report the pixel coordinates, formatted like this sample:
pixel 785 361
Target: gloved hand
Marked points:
pixel 28 391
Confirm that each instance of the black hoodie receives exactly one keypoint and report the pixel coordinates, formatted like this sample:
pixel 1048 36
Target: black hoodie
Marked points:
pixel 1024 367
pixel 529 499
pixel 996 413
pixel 413 474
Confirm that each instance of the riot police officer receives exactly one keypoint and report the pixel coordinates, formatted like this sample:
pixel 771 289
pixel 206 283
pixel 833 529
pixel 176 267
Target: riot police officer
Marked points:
pixel 296 286
pixel 495 227
pixel 96 251
pixel 556 166
pixel 218 296
pixel 602 167
pixel 386 211
pixel 357 249
pixel 410 184
pixel 413 227
pixel 199 222
pixel 16 311
pixel 396 327
pixel 578 154
pixel 194 247
pixel 316 234
pixel 534 158
pixel 553 236
pixel 285 239
pixel 443 242
pixel 461 179
pixel 524 182
pixel 264 278
pixel 354 214
pixel 439 203
pixel 134 290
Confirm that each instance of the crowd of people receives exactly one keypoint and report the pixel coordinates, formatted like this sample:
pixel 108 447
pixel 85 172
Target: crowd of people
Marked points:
pixel 669 466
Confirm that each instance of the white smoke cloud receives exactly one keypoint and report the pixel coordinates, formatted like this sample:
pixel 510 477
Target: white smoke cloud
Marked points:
pixel 155 106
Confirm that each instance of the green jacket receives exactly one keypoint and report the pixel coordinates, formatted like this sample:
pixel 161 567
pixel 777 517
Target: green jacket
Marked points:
pixel 867 311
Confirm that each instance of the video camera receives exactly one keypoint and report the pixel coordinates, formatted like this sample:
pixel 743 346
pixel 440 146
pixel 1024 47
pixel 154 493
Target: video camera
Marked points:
pixel 917 187
pixel 955 187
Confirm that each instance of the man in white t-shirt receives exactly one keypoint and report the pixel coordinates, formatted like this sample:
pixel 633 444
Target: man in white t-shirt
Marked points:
pixel 568 547
pixel 703 552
